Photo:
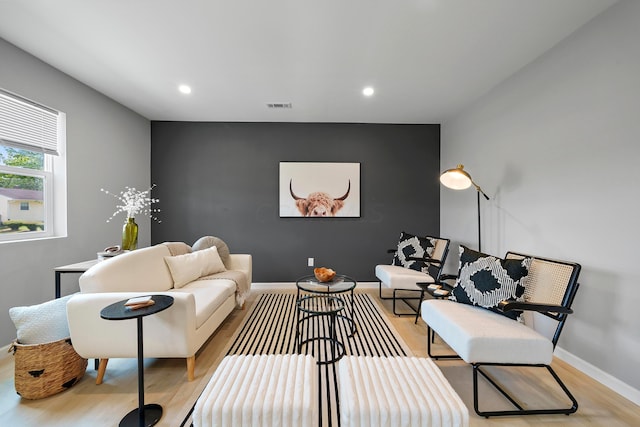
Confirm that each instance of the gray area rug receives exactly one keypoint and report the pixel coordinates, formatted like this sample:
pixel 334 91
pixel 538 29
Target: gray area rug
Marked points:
pixel 270 328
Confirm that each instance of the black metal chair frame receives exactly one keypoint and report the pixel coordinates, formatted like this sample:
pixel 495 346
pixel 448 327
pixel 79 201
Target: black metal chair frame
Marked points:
pixel 553 311
pixel 435 270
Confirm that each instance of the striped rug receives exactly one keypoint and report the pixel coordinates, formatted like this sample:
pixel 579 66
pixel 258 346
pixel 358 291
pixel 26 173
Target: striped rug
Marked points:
pixel 270 328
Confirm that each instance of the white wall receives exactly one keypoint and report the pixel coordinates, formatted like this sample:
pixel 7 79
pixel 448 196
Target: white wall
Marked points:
pixel 107 146
pixel 556 147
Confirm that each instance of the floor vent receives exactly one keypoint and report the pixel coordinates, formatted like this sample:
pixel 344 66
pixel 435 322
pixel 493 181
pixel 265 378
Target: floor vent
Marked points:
pixel 279 105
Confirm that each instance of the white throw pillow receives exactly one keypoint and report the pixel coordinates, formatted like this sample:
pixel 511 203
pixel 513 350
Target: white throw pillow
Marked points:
pixel 189 267
pixel 42 323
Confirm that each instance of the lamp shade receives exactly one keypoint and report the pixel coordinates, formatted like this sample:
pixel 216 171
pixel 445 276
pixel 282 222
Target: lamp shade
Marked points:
pixel 456 179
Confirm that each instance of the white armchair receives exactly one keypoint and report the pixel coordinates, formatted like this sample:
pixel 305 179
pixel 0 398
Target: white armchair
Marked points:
pixel 417 263
pixel 481 323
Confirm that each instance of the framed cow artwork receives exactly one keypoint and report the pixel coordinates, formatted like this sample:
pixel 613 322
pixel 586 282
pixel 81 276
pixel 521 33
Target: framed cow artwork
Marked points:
pixel 319 189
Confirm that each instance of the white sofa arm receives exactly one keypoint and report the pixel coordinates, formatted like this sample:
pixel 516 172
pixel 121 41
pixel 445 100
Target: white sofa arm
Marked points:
pixel 242 262
pixel 169 333
pixel 142 270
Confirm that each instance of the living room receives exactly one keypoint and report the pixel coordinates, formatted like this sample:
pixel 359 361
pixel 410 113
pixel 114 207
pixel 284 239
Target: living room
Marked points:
pixel 547 144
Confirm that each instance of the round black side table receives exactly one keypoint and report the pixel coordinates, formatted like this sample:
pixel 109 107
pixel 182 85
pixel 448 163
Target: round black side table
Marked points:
pixel 144 415
pixel 340 284
pixel 315 307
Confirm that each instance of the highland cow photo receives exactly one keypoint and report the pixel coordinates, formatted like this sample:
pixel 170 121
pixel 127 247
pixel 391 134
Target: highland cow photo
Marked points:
pixel 319 189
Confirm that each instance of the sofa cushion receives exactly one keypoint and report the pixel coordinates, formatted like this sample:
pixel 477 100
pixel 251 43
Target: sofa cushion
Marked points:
pixel 209 241
pixel 485 280
pixel 208 295
pixel 189 267
pixel 41 323
pixel 142 270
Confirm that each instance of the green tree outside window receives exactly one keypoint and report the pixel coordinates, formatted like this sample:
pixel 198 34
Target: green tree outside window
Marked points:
pixel 23 159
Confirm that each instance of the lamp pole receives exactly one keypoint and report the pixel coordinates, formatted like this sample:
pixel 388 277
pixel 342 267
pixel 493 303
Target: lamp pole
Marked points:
pixel 479 190
pixel 479 227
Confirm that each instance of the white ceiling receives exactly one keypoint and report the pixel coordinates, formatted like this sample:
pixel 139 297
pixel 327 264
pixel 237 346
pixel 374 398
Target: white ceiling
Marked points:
pixel 426 59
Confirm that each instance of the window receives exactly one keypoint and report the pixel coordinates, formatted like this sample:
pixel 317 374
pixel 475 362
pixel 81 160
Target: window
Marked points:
pixel 32 169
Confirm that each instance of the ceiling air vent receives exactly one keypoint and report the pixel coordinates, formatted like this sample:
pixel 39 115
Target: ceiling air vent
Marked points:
pixel 279 105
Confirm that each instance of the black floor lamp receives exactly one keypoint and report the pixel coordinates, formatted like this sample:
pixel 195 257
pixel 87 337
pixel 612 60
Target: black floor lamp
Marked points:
pixel 459 179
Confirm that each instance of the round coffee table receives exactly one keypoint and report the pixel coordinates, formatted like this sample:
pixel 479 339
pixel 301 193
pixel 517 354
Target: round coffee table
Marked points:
pixel 143 415
pixel 340 284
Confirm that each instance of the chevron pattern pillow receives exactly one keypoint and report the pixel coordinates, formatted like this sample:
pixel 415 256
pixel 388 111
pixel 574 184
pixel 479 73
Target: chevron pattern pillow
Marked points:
pixel 413 246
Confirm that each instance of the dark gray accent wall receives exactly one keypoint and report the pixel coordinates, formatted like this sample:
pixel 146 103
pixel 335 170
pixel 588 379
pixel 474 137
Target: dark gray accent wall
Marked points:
pixel 221 179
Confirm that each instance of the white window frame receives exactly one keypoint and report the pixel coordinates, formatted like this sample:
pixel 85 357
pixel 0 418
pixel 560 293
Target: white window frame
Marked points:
pixel 54 175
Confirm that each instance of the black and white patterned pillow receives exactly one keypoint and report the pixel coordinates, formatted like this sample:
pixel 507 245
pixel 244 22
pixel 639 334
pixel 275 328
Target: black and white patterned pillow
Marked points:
pixel 485 280
pixel 414 246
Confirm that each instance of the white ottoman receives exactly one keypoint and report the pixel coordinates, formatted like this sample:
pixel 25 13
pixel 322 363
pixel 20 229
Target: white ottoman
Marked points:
pixel 397 391
pixel 262 390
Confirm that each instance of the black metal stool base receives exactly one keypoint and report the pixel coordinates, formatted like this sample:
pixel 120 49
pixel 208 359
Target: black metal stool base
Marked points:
pixel 152 414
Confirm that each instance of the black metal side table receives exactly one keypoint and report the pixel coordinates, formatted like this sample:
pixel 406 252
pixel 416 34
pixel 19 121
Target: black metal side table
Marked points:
pixel 144 415
pixel 339 285
pixel 316 307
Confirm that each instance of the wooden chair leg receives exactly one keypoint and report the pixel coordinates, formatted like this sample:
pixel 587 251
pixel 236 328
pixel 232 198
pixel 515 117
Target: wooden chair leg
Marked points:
pixel 191 367
pixel 102 368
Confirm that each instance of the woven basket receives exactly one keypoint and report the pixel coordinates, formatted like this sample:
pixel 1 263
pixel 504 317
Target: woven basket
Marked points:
pixel 42 370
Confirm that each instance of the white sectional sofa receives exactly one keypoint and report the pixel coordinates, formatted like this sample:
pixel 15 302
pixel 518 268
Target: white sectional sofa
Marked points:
pixel 202 301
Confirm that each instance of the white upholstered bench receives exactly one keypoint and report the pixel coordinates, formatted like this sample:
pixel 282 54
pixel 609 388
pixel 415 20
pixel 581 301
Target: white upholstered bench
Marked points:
pixel 397 391
pixel 261 390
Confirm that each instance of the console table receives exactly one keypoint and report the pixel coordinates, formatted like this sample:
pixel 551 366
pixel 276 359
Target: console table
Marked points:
pixel 79 267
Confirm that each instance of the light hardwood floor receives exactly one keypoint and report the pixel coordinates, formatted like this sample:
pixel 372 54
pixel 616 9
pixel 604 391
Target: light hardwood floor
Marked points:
pixel 87 404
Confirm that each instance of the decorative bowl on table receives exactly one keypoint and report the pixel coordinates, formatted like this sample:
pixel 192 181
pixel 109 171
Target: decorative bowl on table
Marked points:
pixel 324 274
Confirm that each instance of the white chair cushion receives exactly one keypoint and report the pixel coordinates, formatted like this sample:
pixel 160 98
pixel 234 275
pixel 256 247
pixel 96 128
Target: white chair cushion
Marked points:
pixel 479 335
pixel 393 276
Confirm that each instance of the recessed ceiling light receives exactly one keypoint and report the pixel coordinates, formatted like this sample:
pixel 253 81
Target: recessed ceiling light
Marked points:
pixel 367 91
pixel 184 89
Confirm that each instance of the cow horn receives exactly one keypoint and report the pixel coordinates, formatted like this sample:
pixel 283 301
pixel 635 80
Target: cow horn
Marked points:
pixel 346 194
pixel 291 191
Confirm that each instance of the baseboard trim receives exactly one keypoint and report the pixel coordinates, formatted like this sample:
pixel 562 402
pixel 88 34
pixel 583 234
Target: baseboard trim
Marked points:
pixel 273 285
pixel 292 285
pixel 623 389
